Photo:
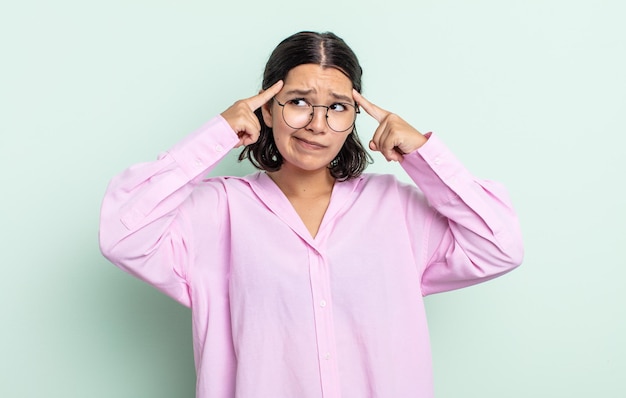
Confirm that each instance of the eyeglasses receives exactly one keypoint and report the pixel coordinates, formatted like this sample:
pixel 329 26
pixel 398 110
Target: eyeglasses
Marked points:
pixel 298 113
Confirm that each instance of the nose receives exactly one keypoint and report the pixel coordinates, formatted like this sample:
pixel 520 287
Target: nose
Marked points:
pixel 318 120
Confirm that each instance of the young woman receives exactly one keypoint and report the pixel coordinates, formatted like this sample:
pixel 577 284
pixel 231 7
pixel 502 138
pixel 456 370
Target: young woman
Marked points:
pixel 306 279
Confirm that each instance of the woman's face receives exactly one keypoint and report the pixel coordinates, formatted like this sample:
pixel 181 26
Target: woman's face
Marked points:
pixel 314 146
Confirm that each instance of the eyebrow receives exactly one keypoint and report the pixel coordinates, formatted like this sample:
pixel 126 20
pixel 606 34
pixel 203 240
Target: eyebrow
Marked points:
pixel 305 93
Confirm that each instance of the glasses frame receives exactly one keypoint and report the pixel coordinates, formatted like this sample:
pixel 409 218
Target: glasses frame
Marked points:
pixel 355 106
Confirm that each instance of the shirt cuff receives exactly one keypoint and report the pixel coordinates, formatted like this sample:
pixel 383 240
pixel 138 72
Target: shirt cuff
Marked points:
pixel 202 149
pixel 436 171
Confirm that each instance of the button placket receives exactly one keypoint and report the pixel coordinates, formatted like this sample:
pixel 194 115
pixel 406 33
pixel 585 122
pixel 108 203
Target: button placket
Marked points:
pixel 320 289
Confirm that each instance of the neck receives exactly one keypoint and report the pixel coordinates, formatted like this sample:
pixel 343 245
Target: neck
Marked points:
pixel 302 183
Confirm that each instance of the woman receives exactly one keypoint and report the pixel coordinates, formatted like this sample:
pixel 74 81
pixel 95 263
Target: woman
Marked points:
pixel 307 278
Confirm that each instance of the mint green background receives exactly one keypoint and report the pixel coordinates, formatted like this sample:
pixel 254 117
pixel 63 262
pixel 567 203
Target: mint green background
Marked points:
pixel 530 93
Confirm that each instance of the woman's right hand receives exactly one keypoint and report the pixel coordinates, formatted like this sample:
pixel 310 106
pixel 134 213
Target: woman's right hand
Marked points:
pixel 241 118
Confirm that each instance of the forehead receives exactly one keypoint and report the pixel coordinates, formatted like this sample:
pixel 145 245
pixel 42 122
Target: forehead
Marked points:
pixel 318 79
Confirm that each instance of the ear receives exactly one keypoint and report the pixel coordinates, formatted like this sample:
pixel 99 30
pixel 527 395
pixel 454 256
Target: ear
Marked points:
pixel 266 110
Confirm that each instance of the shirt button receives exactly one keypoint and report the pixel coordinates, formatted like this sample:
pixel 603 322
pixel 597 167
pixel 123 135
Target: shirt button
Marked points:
pixel 198 162
pixel 219 148
pixel 327 356
pixel 437 160
pixel 323 303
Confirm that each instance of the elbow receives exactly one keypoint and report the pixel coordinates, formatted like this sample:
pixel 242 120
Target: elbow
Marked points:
pixel 510 254
pixel 515 247
pixel 507 246
pixel 109 241
pixel 498 258
pixel 107 246
pixel 112 237
pixel 516 256
pixel 513 258
pixel 110 232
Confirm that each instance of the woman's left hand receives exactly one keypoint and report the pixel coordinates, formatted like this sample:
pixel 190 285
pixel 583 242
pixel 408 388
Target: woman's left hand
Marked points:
pixel 394 137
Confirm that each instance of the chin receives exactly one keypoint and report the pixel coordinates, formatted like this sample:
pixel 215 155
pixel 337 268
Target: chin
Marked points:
pixel 308 167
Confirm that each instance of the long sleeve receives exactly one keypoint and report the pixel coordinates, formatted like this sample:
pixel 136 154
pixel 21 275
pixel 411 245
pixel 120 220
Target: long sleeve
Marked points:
pixel 141 230
pixel 473 233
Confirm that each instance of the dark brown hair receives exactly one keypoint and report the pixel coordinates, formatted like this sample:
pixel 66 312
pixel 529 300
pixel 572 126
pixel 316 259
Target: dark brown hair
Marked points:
pixel 325 49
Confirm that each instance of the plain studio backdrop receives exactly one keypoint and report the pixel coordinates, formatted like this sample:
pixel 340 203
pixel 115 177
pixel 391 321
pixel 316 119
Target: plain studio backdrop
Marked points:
pixel 530 93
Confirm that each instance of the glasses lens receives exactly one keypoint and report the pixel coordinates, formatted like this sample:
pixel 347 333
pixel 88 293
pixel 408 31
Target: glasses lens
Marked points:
pixel 297 113
pixel 341 116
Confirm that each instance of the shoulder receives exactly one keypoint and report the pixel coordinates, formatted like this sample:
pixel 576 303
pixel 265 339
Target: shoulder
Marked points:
pixel 376 179
pixel 223 187
pixel 385 182
pixel 213 199
pixel 388 188
pixel 228 181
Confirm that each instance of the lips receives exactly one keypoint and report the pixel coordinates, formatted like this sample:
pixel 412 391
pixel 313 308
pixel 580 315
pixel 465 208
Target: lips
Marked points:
pixel 308 143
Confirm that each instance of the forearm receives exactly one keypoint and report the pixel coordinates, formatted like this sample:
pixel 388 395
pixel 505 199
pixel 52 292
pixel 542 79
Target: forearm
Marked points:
pixel 138 213
pixel 476 224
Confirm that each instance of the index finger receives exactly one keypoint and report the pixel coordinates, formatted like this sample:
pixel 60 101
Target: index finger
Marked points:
pixel 374 111
pixel 260 99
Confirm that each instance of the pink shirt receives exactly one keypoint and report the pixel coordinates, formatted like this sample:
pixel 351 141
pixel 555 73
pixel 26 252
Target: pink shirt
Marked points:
pixel 277 313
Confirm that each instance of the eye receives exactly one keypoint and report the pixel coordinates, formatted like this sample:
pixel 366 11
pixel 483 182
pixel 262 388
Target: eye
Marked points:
pixel 338 107
pixel 298 102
